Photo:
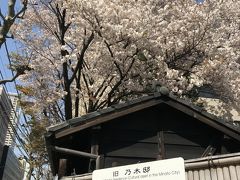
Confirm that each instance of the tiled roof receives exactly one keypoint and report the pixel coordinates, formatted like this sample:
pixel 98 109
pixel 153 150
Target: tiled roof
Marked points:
pixel 103 115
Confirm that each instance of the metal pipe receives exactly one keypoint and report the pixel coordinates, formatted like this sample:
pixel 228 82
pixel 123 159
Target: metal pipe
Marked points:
pixel 78 177
pixel 213 163
pixel 74 152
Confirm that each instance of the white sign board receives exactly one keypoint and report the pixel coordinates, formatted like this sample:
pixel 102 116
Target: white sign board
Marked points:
pixel 170 169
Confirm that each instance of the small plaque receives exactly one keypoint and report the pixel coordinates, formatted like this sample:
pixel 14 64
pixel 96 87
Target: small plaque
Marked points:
pixel 169 169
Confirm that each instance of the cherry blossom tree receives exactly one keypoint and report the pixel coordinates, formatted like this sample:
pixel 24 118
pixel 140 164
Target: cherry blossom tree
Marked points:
pixel 87 55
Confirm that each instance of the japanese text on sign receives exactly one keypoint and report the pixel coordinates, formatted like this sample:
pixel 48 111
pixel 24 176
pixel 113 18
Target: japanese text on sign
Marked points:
pixel 170 169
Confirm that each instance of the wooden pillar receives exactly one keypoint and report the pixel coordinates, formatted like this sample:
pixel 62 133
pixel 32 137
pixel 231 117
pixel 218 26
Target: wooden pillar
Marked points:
pixel 94 147
pixel 161 147
pixel 62 168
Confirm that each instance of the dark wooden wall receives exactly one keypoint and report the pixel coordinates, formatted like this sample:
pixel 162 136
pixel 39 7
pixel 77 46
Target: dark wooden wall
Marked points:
pixel 158 132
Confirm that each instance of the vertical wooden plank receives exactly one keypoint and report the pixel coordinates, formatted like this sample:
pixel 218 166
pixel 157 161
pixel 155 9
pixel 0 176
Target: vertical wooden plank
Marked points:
pixel 207 174
pixel 190 175
pixel 226 173
pixel 196 175
pixel 102 165
pixel 233 173
pixel 220 173
pixel 201 175
pixel 213 173
pixel 62 168
pixel 238 171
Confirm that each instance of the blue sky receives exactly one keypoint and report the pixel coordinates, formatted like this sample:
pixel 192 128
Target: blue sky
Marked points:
pixel 199 1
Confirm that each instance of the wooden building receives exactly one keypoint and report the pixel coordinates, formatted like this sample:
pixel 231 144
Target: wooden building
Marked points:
pixel 145 129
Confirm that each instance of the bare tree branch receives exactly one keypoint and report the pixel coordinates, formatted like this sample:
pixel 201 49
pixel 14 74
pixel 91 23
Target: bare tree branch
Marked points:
pixel 20 71
pixel 10 19
pixel 9 80
pixel 81 56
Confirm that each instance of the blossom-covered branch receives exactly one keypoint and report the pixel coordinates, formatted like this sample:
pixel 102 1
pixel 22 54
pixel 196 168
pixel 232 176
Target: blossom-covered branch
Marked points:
pixel 88 55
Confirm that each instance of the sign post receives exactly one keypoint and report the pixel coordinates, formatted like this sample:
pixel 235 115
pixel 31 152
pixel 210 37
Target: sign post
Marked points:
pixel 170 169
